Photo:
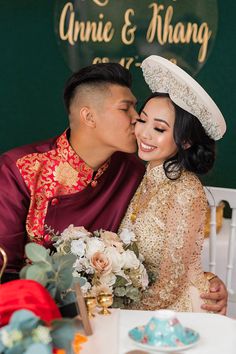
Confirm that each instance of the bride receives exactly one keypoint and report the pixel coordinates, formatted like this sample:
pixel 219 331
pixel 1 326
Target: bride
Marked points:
pixel 176 135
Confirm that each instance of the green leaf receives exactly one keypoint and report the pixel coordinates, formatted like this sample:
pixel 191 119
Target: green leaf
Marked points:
pixel 118 302
pixel 120 291
pixel 24 320
pixel 36 273
pixel 62 333
pixel 120 281
pixel 51 287
pixel 63 268
pixel 39 348
pixel 23 272
pixel 64 279
pixel 151 278
pixel 18 348
pixel 35 252
pixel 69 298
pixel 61 261
pixel 80 280
pixel 133 247
pixel 133 294
pixel 1 345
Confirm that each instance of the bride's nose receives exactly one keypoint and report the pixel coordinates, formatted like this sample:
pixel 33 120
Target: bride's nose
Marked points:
pixel 145 133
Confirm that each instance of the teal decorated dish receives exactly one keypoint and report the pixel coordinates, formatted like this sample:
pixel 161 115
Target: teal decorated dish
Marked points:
pixel 164 331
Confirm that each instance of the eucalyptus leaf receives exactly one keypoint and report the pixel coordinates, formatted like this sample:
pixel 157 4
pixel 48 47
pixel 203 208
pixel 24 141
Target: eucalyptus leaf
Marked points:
pixel 62 334
pixel 36 273
pixel 61 261
pixel 51 287
pixel 35 252
pixel 80 280
pixel 64 279
pixel 24 320
pixel 39 348
pixel 64 261
pixel 46 266
pixel 18 348
pixel 23 272
pixel 69 297
pixel 1 345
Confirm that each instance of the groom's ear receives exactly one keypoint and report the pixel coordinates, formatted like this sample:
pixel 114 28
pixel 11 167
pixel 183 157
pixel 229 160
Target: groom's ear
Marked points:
pixel 87 117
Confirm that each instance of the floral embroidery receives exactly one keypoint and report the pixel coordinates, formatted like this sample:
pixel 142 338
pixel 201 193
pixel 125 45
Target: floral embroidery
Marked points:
pixel 47 175
pixel 169 232
pixel 65 175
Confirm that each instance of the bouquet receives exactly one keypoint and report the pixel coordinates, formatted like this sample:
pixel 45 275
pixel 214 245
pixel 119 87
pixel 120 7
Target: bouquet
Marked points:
pixel 105 262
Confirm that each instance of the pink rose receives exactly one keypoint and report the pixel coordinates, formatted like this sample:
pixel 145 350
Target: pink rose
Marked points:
pixel 101 263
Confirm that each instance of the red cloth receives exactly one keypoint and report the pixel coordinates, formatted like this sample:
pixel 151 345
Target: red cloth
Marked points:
pixel 26 294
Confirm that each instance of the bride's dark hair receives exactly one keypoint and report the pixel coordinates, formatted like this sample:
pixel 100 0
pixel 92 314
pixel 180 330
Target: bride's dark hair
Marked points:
pixel 196 150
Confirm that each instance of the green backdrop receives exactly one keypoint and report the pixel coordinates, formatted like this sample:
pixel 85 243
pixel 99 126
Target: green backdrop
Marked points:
pixel 33 73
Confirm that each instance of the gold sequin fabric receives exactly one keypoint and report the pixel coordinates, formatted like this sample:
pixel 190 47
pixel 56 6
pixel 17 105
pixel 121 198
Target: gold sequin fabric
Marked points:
pixel 169 232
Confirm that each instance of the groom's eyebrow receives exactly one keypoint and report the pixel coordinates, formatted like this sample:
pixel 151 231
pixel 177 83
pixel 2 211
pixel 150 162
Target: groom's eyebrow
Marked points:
pixel 134 102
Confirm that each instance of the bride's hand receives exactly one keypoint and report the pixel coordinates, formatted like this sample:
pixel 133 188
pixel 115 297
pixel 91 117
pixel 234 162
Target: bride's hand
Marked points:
pixel 218 293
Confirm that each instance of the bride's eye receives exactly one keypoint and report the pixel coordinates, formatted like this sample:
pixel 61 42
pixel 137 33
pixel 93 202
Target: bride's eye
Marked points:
pixel 159 130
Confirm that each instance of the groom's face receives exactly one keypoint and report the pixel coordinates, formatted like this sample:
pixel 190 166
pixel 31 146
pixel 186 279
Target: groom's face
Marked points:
pixel 115 119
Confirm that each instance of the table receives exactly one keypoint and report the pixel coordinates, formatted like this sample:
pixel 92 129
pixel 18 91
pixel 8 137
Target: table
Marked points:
pixel 217 333
pixel 221 259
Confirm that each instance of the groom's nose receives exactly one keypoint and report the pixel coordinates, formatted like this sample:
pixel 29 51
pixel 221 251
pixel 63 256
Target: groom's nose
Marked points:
pixel 134 116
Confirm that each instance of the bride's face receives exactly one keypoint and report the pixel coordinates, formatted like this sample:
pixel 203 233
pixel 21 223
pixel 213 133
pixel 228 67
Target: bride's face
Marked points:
pixel 154 131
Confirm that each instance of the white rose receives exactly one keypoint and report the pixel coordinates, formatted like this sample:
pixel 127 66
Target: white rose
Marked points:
pixel 144 277
pixel 116 259
pixel 94 245
pixel 78 267
pixel 130 260
pixel 78 247
pixel 141 257
pixel 83 264
pixel 86 287
pixel 108 279
pixel 74 233
pixel 127 236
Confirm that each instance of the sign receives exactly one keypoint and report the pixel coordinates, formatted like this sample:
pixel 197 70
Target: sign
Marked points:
pixel 127 31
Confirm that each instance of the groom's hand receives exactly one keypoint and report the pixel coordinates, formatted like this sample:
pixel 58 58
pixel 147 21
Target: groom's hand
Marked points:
pixel 218 293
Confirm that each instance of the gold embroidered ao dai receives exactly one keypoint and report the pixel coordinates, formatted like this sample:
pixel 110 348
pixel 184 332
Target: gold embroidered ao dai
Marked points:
pixel 169 224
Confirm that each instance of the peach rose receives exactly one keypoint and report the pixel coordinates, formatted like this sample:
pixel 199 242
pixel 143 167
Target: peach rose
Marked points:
pixel 101 263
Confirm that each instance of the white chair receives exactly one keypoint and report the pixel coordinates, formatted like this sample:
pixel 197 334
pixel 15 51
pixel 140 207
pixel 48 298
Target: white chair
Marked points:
pixel 214 196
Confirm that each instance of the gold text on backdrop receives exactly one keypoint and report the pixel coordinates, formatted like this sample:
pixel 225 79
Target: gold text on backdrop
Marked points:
pixel 160 27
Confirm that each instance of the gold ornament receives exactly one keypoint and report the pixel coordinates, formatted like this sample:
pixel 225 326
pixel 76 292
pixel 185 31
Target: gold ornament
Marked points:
pixel 91 304
pixel 4 264
pixel 105 300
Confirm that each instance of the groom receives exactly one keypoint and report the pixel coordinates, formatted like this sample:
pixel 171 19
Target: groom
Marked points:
pixel 86 176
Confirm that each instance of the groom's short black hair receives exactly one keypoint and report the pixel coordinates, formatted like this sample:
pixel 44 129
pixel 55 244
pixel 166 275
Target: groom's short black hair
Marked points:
pixel 96 75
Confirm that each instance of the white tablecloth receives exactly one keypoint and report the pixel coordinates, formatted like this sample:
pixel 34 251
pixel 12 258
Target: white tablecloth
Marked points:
pixel 217 333
pixel 221 259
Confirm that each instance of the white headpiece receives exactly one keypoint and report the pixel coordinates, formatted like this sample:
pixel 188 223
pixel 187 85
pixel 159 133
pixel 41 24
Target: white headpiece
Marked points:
pixel 161 75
